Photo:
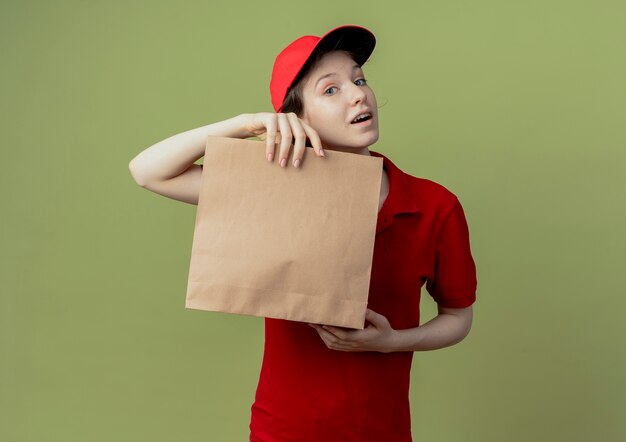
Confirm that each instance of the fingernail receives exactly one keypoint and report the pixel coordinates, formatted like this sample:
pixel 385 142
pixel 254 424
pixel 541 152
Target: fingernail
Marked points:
pixel 297 163
pixel 283 162
pixel 269 157
pixel 322 152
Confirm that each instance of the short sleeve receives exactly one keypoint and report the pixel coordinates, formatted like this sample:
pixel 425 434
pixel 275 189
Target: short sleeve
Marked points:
pixel 454 282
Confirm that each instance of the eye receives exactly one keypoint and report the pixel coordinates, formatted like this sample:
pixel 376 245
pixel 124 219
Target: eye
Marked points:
pixel 358 79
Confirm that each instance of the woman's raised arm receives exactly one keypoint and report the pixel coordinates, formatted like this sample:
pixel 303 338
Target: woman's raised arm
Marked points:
pixel 174 155
pixel 168 168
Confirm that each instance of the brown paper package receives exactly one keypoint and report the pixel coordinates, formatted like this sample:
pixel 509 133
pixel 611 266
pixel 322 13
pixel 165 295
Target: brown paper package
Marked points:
pixel 286 243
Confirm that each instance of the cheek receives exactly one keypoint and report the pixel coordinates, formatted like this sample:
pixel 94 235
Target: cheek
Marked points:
pixel 327 117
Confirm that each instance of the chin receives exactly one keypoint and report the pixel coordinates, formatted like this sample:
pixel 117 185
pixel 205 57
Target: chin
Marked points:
pixel 372 139
pixel 375 138
pixel 365 140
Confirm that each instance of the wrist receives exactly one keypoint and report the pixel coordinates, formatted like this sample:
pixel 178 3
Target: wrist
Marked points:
pixel 240 124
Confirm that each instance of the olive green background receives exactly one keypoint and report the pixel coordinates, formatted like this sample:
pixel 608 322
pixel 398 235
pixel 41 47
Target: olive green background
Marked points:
pixel 517 107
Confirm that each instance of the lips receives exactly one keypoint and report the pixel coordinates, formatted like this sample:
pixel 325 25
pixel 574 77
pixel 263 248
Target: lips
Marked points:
pixel 361 116
pixel 364 123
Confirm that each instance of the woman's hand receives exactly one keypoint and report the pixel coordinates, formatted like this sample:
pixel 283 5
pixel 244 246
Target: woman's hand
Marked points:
pixel 378 336
pixel 282 128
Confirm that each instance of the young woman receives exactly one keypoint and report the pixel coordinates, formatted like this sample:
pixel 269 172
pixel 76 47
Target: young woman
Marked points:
pixel 318 382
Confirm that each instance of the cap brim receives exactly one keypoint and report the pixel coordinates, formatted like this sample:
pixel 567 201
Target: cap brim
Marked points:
pixel 356 39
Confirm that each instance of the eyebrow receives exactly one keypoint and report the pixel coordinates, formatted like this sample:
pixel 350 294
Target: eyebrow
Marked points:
pixel 355 67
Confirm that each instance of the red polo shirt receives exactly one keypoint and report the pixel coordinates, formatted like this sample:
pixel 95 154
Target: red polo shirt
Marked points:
pixel 308 392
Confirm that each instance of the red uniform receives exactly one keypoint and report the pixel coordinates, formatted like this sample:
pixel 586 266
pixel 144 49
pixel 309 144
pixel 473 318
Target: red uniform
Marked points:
pixel 308 392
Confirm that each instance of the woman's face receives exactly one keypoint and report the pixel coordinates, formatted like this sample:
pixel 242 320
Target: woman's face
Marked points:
pixel 332 101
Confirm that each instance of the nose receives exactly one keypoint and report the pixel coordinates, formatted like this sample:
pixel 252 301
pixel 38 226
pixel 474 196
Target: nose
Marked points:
pixel 358 94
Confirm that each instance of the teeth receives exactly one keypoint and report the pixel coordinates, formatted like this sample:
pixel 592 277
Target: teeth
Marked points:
pixel 360 117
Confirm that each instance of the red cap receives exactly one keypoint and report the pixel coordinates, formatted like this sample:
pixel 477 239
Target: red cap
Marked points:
pixel 292 59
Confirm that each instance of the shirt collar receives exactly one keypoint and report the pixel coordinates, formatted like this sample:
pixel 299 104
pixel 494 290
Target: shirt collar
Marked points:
pixel 400 198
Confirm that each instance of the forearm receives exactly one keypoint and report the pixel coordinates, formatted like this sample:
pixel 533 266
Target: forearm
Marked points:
pixel 442 331
pixel 172 156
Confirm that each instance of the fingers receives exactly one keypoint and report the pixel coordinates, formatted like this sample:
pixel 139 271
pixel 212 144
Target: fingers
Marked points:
pixel 329 330
pixel 285 142
pixel 300 136
pixel 331 340
pixel 315 139
pixel 321 329
pixel 270 125
pixel 282 129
